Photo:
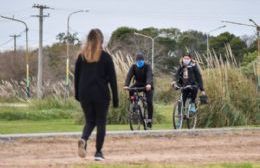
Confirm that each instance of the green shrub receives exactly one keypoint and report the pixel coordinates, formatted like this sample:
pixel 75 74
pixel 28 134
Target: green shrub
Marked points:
pixel 29 114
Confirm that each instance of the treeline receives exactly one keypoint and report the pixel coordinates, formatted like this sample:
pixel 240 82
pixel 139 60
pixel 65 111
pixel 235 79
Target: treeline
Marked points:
pixel 170 45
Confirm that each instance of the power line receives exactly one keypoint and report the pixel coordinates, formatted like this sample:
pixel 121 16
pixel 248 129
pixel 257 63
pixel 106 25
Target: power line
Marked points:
pixel 8 41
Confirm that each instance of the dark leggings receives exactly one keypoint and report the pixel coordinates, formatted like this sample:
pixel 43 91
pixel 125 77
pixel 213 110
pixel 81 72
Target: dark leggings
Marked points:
pixel 95 115
pixel 193 94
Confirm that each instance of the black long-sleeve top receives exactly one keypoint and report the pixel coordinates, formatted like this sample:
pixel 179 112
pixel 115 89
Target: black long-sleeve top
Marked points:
pixel 194 76
pixel 92 79
pixel 142 76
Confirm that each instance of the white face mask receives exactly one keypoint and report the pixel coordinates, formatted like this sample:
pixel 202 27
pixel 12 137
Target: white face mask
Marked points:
pixel 186 61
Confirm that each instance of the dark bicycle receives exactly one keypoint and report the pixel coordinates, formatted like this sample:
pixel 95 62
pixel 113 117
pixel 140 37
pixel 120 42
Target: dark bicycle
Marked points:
pixel 137 109
pixel 181 111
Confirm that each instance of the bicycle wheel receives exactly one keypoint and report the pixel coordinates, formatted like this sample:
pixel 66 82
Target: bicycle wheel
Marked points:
pixel 191 119
pixel 134 117
pixel 177 116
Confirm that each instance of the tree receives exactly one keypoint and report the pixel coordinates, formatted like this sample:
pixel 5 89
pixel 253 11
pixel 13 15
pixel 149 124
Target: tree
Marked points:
pixel 238 46
pixel 73 38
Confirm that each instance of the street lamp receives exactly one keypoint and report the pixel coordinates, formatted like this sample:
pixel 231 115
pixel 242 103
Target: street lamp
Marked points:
pixel 257 34
pixel 67 42
pixel 220 27
pixel 151 38
pixel 27 53
pixel 248 25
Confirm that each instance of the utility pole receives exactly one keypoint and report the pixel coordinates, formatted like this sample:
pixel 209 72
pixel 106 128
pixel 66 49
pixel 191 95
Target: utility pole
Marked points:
pixel 15 37
pixel 40 55
pixel 27 54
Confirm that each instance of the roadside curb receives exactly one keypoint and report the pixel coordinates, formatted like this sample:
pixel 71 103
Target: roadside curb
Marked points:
pixel 154 133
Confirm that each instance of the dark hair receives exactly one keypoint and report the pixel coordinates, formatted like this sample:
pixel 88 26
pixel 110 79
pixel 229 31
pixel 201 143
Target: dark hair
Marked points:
pixel 187 54
pixel 139 56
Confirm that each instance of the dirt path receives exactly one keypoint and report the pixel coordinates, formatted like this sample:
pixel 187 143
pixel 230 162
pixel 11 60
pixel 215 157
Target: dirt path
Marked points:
pixel 241 146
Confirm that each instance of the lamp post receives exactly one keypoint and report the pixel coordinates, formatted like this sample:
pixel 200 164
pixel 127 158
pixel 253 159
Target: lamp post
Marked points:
pixel 220 27
pixel 68 43
pixel 257 34
pixel 151 38
pixel 27 54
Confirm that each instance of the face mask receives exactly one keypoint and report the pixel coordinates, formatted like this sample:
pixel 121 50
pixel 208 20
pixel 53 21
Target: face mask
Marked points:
pixel 140 63
pixel 186 61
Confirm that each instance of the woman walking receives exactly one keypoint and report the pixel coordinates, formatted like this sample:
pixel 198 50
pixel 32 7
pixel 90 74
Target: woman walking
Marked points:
pixel 94 70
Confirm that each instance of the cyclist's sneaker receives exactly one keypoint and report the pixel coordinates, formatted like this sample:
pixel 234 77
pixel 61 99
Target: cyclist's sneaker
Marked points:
pixel 192 109
pixel 99 156
pixel 82 146
pixel 149 125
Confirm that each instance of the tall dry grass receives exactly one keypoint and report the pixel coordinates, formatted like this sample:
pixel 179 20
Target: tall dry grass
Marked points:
pixel 232 96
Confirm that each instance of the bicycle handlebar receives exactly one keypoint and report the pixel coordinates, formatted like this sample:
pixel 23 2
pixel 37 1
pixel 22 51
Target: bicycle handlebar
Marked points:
pixel 186 87
pixel 136 89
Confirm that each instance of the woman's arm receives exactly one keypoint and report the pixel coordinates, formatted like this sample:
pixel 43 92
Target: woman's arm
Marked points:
pixel 113 81
pixel 198 77
pixel 76 77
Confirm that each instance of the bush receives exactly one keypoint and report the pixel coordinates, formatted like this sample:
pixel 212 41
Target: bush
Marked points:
pixel 45 109
pixel 29 114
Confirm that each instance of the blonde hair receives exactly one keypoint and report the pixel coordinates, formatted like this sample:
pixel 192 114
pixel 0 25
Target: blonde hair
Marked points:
pixel 93 47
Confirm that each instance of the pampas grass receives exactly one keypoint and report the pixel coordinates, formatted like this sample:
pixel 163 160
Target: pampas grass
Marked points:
pixel 232 95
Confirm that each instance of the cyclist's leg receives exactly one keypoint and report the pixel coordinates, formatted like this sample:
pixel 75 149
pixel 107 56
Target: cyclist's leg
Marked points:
pixel 185 94
pixel 149 100
pixel 194 93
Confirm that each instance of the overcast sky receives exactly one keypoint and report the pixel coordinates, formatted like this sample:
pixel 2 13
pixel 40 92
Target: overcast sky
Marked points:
pixel 202 15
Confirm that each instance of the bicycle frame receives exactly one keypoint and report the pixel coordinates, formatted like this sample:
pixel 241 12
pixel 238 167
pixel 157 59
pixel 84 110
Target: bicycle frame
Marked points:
pixel 184 111
pixel 138 100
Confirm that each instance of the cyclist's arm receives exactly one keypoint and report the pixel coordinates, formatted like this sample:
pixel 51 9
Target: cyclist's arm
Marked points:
pixel 76 77
pixel 176 77
pixel 149 75
pixel 129 76
pixel 198 77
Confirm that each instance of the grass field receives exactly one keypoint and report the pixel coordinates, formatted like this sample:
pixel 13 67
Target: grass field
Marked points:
pixel 64 125
pixel 139 165
pixel 40 121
